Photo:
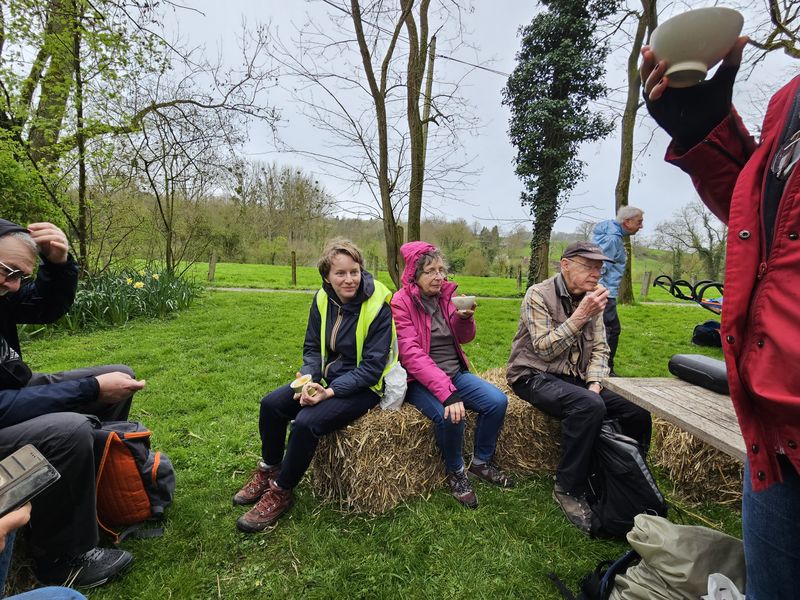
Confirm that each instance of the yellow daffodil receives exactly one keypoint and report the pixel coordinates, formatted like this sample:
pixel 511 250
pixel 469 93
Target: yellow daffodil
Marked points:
pixel 129 281
pixel 141 272
pixel 155 276
pixel 138 285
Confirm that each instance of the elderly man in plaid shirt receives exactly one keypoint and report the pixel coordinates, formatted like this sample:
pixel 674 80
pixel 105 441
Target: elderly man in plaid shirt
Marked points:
pixel 559 358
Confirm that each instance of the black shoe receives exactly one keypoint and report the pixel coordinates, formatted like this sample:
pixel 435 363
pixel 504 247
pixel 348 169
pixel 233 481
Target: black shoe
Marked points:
pixel 90 569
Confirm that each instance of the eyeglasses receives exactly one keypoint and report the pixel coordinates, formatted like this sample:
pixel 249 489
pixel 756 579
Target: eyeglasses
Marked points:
pixel 433 273
pixel 786 157
pixel 588 267
pixel 10 274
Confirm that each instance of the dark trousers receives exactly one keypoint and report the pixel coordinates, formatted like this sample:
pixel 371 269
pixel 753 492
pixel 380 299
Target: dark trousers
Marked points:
pixel 581 412
pixel 613 329
pixel 63 517
pixel 279 407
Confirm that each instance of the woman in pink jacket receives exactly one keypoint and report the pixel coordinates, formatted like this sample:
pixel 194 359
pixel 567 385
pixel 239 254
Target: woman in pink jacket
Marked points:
pixel 430 332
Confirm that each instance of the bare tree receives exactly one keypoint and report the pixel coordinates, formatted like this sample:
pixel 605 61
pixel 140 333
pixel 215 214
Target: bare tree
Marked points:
pixel 695 230
pixel 361 68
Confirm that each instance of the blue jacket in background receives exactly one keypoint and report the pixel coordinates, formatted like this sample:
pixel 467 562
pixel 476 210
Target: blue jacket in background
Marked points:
pixel 608 235
pixel 44 300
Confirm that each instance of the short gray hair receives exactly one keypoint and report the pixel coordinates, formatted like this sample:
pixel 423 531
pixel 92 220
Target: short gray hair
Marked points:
pixel 26 239
pixel 628 212
pixel 426 259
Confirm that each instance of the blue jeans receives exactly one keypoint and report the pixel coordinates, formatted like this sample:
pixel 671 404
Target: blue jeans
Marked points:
pixel 478 395
pixel 49 593
pixel 771 529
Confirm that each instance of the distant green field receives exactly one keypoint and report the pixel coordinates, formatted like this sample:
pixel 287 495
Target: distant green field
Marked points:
pixel 280 277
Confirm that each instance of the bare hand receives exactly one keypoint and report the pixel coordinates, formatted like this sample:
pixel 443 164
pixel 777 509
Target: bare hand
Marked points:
pixel 314 393
pixel 467 313
pixel 117 386
pixel 593 303
pixel 454 412
pixel 52 242
pixel 595 387
pixel 13 521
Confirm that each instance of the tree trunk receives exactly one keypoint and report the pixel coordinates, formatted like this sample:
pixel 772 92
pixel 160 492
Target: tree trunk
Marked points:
pixel 646 23
pixel 83 221
pixel 56 84
pixel 417 54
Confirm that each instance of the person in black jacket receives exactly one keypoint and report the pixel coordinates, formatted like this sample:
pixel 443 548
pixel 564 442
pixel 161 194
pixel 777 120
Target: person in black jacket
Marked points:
pixel 346 351
pixel 49 410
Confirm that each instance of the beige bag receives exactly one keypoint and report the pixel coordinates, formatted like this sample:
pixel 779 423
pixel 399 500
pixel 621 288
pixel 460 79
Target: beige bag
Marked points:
pixel 677 560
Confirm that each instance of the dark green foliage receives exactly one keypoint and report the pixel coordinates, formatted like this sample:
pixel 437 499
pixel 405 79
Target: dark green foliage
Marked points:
pixel 559 73
pixel 23 197
pixel 113 299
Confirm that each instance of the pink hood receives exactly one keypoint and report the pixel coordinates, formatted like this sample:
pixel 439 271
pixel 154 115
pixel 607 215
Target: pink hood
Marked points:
pixel 412 253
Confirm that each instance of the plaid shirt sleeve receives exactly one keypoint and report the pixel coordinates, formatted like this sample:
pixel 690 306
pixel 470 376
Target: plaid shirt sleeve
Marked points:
pixel 598 365
pixel 548 341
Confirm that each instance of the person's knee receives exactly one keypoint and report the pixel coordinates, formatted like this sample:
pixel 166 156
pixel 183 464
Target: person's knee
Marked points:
pixel 497 402
pixel 124 369
pixel 591 407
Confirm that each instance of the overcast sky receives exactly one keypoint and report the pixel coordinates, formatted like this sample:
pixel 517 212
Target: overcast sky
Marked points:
pixel 658 188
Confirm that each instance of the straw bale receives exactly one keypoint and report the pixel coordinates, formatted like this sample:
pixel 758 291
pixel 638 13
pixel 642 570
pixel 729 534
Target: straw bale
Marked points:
pixel 388 457
pixel 699 472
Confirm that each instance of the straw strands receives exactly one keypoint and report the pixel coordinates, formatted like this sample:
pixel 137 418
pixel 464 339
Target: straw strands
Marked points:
pixel 698 471
pixel 388 457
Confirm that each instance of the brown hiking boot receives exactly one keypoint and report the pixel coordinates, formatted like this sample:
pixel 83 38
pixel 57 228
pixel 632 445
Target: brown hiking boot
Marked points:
pixel 461 489
pixel 490 473
pixel 273 503
pixel 575 508
pixel 258 484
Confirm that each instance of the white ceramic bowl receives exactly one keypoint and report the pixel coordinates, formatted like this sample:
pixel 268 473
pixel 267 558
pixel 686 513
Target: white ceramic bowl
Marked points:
pixel 464 302
pixel 694 41
pixel 298 384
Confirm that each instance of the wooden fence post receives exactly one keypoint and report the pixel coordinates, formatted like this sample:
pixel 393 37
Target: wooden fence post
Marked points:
pixel 294 267
pixel 519 278
pixel 212 266
pixel 645 284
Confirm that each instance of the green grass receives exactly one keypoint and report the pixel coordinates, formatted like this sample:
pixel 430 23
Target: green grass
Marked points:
pixel 280 277
pixel 207 369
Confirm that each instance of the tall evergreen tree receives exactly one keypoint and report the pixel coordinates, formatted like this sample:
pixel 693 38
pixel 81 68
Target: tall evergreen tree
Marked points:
pixel 559 73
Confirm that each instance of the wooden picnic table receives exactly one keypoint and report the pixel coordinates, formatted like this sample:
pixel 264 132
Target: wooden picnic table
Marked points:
pixel 705 414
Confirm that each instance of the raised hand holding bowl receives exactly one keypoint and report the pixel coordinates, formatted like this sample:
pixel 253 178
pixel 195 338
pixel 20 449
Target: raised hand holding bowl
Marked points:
pixel 694 41
pixel 464 302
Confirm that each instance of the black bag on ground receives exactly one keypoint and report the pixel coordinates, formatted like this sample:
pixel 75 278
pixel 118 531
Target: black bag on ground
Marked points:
pixel 704 371
pixel 14 373
pixel 621 484
pixel 707 334
pixel 598 584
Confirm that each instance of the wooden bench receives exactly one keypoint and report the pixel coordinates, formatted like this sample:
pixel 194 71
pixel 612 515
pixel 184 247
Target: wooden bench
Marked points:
pixel 697 439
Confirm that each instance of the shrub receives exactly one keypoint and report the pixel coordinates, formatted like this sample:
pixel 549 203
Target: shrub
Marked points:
pixel 113 299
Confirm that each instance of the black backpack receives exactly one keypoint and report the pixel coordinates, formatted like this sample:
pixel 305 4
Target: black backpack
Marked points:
pixel 621 485
pixel 707 334
pixel 598 584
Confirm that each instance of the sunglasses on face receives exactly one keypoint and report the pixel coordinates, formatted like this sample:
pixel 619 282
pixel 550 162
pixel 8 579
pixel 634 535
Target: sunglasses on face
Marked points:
pixel 11 274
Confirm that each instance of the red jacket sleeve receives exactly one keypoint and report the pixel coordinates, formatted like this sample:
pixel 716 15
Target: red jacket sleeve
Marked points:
pixel 715 163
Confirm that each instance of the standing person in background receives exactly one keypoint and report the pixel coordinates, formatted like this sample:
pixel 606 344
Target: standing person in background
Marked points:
pixel 608 235
pixel 755 189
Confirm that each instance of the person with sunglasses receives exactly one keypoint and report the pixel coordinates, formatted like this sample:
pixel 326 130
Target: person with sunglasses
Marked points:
pixel 754 188
pixel 49 410
pixel 559 358
pixel 430 331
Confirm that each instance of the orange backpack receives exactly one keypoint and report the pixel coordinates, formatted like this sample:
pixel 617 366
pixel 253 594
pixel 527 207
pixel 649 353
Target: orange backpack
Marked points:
pixel 134 484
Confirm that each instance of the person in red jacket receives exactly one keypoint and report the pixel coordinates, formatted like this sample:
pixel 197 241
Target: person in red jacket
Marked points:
pixel 755 189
